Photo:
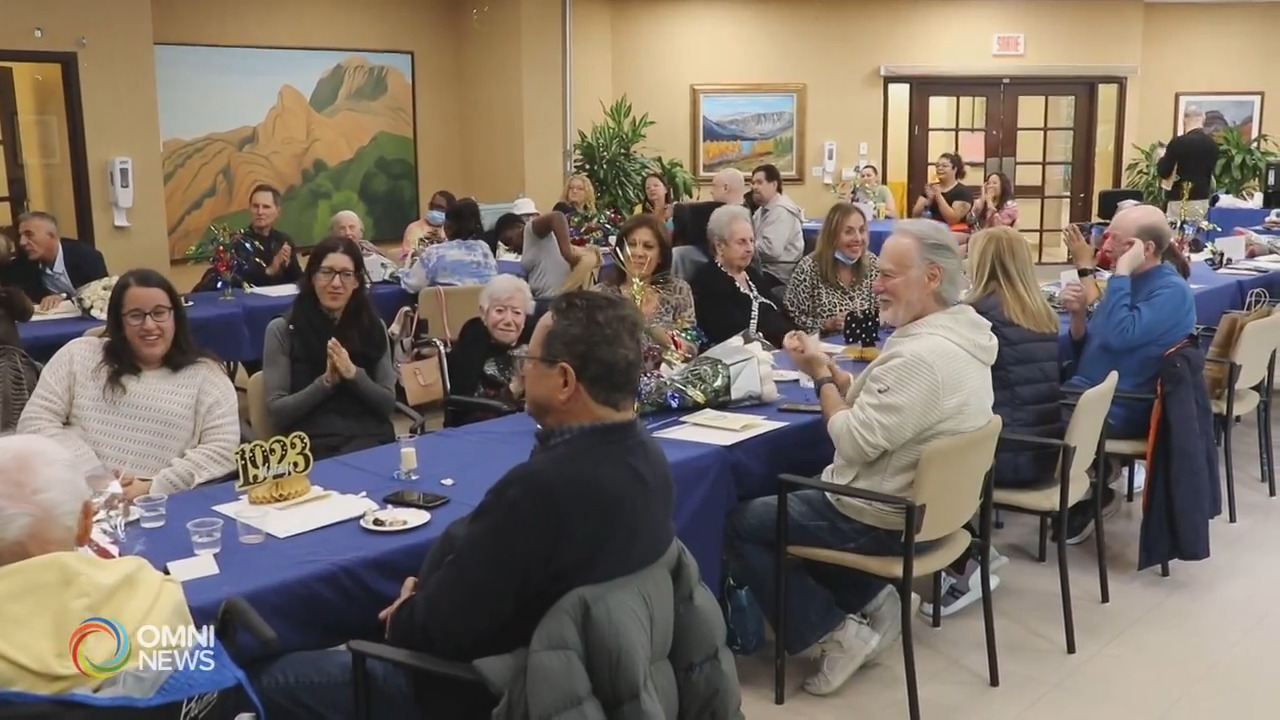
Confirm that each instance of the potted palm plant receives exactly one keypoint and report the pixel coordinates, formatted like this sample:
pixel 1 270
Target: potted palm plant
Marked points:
pixel 1242 162
pixel 1140 174
pixel 610 156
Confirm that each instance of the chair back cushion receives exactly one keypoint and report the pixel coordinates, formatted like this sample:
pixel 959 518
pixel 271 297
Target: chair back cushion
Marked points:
pixel 950 476
pixel 1259 338
pixel 1085 429
pixel 259 418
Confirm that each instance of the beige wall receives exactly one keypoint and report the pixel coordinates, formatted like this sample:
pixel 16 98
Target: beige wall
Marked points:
pixel 652 50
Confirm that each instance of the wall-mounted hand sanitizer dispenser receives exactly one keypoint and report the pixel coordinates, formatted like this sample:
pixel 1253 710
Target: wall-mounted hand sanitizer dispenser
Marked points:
pixel 829 163
pixel 121 172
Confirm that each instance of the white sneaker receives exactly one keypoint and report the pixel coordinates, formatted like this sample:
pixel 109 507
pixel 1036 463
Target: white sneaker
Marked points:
pixel 884 615
pixel 844 650
pixel 959 592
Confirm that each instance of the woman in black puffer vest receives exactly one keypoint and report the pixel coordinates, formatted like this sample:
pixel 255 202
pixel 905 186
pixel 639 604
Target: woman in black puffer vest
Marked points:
pixel 1025 376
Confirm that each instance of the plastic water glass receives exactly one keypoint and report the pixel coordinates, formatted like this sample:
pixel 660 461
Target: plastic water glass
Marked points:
pixel 153 508
pixel 408 458
pixel 206 535
pixel 249 522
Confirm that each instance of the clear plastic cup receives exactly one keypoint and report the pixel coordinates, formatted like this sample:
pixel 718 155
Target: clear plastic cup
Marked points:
pixel 153 509
pixel 249 523
pixel 408 456
pixel 206 535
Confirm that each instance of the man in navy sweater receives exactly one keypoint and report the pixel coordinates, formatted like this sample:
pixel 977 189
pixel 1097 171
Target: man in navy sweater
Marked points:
pixel 591 504
pixel 1147 309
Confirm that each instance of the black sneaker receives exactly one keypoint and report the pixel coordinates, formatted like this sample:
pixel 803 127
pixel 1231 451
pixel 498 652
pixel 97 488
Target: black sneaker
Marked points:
pixel 1080 517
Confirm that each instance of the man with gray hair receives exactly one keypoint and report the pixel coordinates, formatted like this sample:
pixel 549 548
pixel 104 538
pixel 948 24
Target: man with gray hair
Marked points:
pixel 48 587
pixel 689 222
pixel 932 380
pixel 1193 157
pixel 346 224
pixel 729 186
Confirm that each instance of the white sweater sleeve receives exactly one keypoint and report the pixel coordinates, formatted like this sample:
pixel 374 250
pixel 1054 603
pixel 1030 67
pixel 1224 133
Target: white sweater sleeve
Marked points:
pixel 217 435
pixel 49 407
pixel 901 398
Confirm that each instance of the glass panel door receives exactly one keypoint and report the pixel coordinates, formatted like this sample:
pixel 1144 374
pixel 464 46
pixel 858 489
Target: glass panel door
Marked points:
pixel 13 186
pixel 952 118
pixel 1045 132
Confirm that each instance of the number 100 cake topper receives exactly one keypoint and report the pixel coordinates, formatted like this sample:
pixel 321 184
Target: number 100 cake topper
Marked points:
pixel 263 461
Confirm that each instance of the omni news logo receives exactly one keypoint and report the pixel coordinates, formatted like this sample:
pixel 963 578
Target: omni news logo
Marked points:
pixel 159 648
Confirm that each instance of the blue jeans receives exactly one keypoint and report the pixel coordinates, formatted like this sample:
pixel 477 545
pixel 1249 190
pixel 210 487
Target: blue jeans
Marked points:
pixel 818 596
pixel 319 684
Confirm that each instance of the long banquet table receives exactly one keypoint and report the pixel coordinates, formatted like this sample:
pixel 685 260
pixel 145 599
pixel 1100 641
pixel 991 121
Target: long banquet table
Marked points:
pixel 233 329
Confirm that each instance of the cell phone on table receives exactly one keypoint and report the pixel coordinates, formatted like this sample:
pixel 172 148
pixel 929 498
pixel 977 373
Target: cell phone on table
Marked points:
pixel 415 499
pixel 800 408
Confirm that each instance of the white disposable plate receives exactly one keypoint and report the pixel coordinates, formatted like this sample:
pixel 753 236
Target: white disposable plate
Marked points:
pixel 413 518
pixel 785 375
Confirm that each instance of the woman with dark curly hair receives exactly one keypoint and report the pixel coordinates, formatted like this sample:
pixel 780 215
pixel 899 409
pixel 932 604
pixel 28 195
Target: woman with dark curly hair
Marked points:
pixel 142 401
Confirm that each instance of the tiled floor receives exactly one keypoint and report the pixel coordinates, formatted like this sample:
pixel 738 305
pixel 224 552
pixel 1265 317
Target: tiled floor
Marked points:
pixel 1198 644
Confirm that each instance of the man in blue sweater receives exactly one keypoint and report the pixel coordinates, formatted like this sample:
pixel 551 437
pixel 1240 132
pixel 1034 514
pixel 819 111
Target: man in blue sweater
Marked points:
pixel 1147 309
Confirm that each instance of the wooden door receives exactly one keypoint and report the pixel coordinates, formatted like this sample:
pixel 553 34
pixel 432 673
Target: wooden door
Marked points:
pixel 1046 150
pixel 959 118
pixel 13 183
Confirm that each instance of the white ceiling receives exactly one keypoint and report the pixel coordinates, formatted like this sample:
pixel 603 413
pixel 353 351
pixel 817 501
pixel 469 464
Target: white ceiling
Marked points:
pixel 1198 2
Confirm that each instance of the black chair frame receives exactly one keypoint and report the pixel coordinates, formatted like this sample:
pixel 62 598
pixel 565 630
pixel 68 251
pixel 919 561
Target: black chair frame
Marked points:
pixel 414 662
pixel 913 524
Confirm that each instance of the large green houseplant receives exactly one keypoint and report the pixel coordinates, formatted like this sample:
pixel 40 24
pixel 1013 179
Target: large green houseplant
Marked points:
pixel 1140 174
pixel 1242 162
pixel 610 156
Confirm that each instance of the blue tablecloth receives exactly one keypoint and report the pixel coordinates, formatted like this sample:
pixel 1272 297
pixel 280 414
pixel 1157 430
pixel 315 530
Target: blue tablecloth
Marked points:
pixel 231 329
pixel 877 233
pixel 1228 219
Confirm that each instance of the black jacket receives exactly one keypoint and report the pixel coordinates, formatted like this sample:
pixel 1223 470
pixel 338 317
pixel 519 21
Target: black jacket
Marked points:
pixel 84 264
pixel 689 225
pixel 1027 396
pixel 1182 492
pixel 723 310
pixel 255 272
pixel 1195 157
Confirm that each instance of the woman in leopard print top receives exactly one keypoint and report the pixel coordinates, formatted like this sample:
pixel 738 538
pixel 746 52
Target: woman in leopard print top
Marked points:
pixel 834 281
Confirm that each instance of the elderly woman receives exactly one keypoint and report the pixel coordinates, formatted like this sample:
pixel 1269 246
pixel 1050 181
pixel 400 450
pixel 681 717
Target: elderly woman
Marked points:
pixel 665 300
pixel 830 290
pixel 143 401
pixel 481 363
pixel 726 294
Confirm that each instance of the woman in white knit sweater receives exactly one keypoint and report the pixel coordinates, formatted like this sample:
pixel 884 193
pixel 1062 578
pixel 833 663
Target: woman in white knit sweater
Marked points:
pixel 142 402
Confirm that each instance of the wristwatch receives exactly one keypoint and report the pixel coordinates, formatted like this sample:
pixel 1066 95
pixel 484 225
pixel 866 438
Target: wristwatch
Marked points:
pixel 821 383
pixel 1086 272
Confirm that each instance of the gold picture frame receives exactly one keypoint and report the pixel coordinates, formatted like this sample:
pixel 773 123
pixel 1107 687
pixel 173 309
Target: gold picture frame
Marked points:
pixel 746 125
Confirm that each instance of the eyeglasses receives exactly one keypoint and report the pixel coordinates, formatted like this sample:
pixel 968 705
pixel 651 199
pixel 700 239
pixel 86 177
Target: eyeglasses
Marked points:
pixel 327 275
pixel 519 359
pixel 135 318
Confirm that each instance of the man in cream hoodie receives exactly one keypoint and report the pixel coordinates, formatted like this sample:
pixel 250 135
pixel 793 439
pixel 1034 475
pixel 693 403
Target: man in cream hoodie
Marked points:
pixel 778 223
pixel 932 380
pixel 48 587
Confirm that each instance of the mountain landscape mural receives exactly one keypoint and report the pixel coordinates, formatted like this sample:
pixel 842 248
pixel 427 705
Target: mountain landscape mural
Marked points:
pixel 332 131
pixel 743 129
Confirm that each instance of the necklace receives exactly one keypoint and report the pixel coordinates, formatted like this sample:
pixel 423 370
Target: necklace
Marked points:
pixel 750 291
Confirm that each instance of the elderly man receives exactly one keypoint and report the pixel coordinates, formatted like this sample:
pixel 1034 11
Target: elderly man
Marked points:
pixel 689 223
pixel 1193 157
pixel 49 268
pixel 1147 309
pixel 48 587
pixel 933 379
pixel 346 224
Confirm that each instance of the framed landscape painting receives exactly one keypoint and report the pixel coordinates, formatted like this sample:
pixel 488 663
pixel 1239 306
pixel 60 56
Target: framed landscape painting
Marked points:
pixel 1242 111
pixel 330 129
pixel 742 126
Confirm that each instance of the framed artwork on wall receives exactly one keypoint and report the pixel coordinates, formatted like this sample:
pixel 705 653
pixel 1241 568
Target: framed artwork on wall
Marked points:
pixel 742 126
pixel 330 129
pixel 1242 111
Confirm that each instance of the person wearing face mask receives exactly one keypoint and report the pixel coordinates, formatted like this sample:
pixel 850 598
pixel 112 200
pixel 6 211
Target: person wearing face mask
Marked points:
pixel 143 401
pixel 326 363
pixel 831 288
pixel 427 230
pixel 481 362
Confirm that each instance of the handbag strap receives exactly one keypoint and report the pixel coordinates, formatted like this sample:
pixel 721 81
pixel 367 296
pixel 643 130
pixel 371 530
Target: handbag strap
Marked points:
pixel 444 316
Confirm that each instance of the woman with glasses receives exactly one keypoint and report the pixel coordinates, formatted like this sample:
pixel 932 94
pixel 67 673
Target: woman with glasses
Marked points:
pixel 141 402
pixel 326 363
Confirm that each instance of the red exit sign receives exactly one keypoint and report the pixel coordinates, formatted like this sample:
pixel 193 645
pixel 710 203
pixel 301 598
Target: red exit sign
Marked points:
pixel 1008 44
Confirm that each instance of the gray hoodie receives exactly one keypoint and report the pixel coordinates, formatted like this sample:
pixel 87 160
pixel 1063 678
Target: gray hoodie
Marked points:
pixel 933 379
pixel 779 234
